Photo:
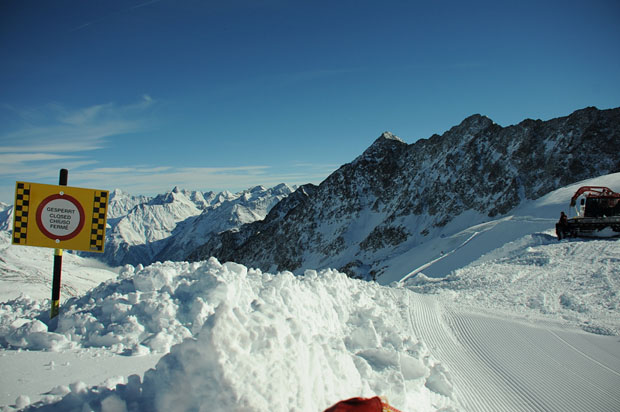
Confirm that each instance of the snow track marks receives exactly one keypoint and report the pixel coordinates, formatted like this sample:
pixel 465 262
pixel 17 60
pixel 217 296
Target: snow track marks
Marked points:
pixel 499 364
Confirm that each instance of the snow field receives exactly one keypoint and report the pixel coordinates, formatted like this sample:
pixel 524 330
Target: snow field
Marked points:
pixel 573 281
pixel 238 339
pixel 45 376
pixel 498 363
pixel 28 270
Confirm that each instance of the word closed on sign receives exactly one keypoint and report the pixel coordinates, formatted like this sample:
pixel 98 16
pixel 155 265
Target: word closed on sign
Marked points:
pixel 60 217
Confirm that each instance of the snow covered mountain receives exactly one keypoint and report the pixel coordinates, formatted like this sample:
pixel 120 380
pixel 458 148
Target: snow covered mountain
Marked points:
pixel 6 216
pixel 396 197
pixel 120 203
pixel 225 212
pixel 167 227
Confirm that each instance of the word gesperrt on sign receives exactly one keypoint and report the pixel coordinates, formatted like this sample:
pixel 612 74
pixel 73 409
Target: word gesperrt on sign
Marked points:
pixel 62 217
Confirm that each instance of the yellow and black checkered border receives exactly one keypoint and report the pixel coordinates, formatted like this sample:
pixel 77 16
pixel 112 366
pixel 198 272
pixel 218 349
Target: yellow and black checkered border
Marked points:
pixel 20 213
pixel 97 227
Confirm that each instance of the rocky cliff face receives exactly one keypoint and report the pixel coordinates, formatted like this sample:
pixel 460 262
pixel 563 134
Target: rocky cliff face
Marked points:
pixel 396 194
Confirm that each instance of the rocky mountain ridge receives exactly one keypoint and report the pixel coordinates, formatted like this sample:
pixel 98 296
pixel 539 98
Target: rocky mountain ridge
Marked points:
pixel 395 195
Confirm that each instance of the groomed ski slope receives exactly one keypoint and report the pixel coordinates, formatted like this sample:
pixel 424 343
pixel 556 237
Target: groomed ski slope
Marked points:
pixel 502 364
pixel 508 327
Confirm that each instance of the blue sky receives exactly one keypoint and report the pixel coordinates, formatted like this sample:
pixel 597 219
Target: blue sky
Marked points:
pixel 145 95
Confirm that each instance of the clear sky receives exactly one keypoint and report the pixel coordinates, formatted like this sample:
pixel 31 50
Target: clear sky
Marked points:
pixel 145 95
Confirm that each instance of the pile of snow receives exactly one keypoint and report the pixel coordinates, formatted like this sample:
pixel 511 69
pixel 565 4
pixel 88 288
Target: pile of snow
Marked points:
pixel 238 339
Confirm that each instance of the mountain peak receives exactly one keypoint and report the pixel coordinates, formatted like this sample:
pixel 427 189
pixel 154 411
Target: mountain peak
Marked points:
pixel 383 146
pixel 477 121
pixel 389 136
pixel 386 137
pixel 116 193
pixel 470 126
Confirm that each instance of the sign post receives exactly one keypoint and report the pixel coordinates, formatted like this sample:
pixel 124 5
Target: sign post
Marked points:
pixel 62 181
pixel 64 218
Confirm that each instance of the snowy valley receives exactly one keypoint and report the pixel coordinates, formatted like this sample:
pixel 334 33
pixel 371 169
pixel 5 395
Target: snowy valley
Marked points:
pixel 487 311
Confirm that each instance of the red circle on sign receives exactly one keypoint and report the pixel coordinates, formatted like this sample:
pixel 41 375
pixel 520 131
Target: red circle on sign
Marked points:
pixel 71 200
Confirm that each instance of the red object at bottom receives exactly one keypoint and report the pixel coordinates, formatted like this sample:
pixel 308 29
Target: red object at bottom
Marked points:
pixel 362 405
pixel 358 405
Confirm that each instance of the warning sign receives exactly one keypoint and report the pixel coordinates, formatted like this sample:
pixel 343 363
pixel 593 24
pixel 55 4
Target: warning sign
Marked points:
pixel 60 217
pixel 64 217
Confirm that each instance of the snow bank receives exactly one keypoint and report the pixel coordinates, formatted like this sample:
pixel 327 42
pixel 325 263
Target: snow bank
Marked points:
pixel 240 339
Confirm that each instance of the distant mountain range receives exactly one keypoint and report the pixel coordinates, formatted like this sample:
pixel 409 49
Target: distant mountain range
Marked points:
pixel 143 230
pixel 391 200
pixel 396 196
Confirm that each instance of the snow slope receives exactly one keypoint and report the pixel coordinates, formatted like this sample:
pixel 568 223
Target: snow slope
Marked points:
pixel 499 362
pixel 508 328
pixel 29 270
pixel 461 244
pixel 575 281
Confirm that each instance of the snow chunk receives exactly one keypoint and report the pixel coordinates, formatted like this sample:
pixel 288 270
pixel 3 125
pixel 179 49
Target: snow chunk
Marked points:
pixel 439 381
pixel 153 279
pixel 22 401
pixel 34 335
